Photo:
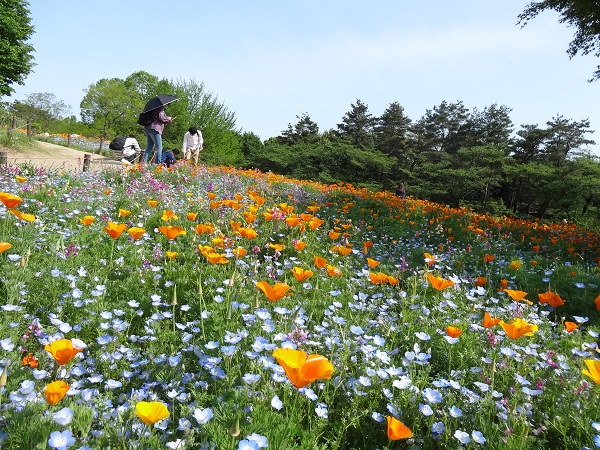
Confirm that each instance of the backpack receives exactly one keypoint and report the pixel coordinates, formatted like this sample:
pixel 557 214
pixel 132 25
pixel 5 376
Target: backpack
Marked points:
pixel 146 118
pixel 117 143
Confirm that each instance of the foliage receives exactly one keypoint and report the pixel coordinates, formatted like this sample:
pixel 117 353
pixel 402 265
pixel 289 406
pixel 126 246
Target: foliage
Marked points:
pixel 583 15
pixel 16 59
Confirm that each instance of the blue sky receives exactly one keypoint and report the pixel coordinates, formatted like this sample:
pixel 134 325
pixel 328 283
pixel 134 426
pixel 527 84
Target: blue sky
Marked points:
pixel 270 61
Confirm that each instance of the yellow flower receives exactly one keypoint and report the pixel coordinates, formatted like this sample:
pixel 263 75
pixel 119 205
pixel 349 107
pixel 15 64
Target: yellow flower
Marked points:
pixel 518 328
pixel 301 274
pixel 55 391
pixel 23 216
pixel 124 213
pixel 151 412
pixel 593 369
pixel 168 215
pixel 136 232
pixel 514 265
pixel 87 220
pixel 9 200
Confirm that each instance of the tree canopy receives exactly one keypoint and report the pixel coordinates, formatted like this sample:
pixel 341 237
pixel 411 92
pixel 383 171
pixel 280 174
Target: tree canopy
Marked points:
pixel 583 15
pixel 16 59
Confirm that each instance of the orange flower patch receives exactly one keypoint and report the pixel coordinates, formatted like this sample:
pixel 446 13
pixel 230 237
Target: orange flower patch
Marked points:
pixel 439 284
pixel 570 326
pixel 396 430
pixel 453 332
pixel 23 216
pixel 207 228
pixel 518 296
pixel 152 203
pixel 4 246
pixel 372 263
pixel 552 298
pixel 320 262
pixel 124 213
pixel 299 245
pixel 136 232
pixel 87 220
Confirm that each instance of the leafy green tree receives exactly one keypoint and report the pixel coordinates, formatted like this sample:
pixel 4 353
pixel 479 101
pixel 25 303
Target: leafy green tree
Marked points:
pixel 250 144
pixel 444 127
pixel 110 108
pixel 583 15
pixel 16 59
pixel 357 126
pixel 529 144
pixel 42 108
pixel 391 131
pixel 492 126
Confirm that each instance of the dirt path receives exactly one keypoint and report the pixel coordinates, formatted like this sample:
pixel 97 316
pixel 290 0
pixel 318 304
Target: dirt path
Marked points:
pixel 52 156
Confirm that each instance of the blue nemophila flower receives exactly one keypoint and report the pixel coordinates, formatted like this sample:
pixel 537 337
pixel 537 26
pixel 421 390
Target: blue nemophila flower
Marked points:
pixel 63 417
pixel 250 378
pixel 455 412
pixel 61 440
pixel 276 403
pixel 246 444
pixel 425 409
pixel 422 336
pixel 202 416
pixel 478 437
pixel 321 410
pixel 7 345
pixel 437 428
pixel 432 395
pixel 462 437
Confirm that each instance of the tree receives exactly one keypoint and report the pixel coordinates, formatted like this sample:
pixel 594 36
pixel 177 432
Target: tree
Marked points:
pixel 565 136
pixel 304 131
pixel 391 130
pixel 16 60
pixel 41 107
pixel 583 15
pixel 445 127
pixel 492 126
pixel 357 126
pixel 110 107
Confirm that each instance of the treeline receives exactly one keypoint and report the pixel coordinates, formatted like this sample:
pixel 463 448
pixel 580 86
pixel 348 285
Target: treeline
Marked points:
pixel 451 155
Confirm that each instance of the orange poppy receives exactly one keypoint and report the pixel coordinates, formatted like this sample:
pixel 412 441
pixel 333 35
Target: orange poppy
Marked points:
pixel 514 265
pixel 315 223
pixel 62 350
pixel 171 255
pixel 21 179
pixel 293 221
pixel 23 216
pixel 124 213
pixel 248 233
pixel 439 284
pixel 136 232
pixel 87 220
pixel 396 430
pixel 275 292
pixel 4 246
pixel 593 369
pixel 168 215
pixel 29 360
pixel 207 228
pixel 489 321
pixel 239 252
pixel 480 281
pixel 114 230
pixel 301 368
pixel 301 274
pixel 334 235
pixel 152 203
pixel 55 391
pixel 333 271
pixel 372 263
pixel 320 262
pixel 340 250
pixel 299 245
pixel 215 258
pixel 249 217
pixel 503 284
pixel 518 296
pixel 171 231
pixel 552 298
pixel 453 332
pixel 488 258
pixel 429 259
pixel 151 412
pixel 518 328
pixel 10 200
pixel 597 303
pixel 191 216
pixel 570 326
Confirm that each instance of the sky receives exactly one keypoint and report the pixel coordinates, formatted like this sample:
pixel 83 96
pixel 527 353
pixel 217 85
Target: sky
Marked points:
pixel 270 61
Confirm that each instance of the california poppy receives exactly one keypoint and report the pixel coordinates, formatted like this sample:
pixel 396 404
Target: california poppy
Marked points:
pixel 5 246
pixel 114 230
pixel 239 252
pixel 152 203
pixel 55 391
pixel 124 212
pixel 396 430
pixel 333 271
pixel 518 328
pixel 62 350
pixel 10 200
pixel 597 303
pixel 453 332
pixel 171 255
pixel 372 263
pixel 480 281
pixel 299 245
pixel 29 360
pixel 215 258
pixel 275 292
pixel 514 265
pixel 593 369
pixel 136 232
pixel 191 216
pixel 21 179
pixel 301 368
pixel 168 215
pixel 171 231
pixel 301 274
pixel 439 284
pixel 320 262
pixel 489 321
pixel 23 216
pixel 207 228
pixel 488 258
pixel 87 220
pixel 315 223
pixel 518 296
pixel 151 412
pixel 248 233
pixel 552 298
pixel 570 326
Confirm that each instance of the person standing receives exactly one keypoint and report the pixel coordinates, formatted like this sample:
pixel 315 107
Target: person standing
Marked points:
pixel 192 144
pixel 154 133
pixel 400 190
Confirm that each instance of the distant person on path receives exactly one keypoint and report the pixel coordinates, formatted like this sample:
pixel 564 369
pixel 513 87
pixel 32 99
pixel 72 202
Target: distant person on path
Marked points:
pixel 400 190
pixel 192 144
pixel 154 133
pixel 131 150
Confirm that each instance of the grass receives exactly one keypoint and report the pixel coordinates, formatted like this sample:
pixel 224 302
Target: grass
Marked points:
pixel 180 322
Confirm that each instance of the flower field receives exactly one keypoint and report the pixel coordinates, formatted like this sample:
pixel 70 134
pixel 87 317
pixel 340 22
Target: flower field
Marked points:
pixel 209 308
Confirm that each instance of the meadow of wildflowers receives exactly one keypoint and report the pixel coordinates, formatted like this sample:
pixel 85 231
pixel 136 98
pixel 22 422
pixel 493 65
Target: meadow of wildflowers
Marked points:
pixel 209 308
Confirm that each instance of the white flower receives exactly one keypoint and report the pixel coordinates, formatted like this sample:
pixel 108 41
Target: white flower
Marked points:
pixel 61 440
pixel 425 409
pixel 455 412
pixel 478 437
pixel 63 417
pixel 260 440
pixel 7 344
pixel 462 437
pixel 276 403
pixel 202 415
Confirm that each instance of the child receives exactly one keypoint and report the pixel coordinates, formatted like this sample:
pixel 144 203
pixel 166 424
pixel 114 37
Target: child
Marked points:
pixel 168 157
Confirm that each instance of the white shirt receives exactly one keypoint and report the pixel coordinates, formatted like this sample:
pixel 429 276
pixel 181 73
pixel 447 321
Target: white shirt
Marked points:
pixel 192 141
pixel 131 147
